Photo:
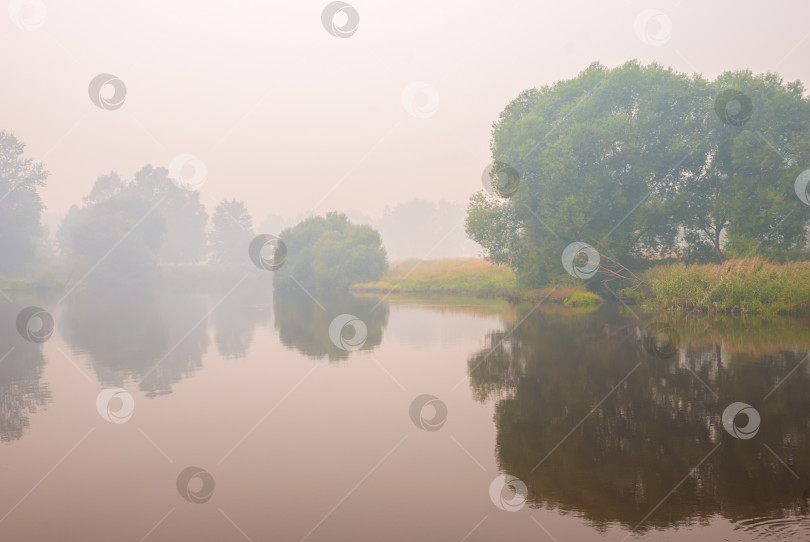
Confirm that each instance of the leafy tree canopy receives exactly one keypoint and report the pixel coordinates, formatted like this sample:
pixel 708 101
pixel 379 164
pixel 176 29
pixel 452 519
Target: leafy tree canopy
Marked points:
pixel 330 253
pixel 643 162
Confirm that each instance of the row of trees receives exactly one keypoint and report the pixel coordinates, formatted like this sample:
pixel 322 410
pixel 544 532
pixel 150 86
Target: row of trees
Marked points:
pixel 124 229
pixel 155 222
pixel 150 221
pixel 416 228
pixel 147 220
pixel 642 162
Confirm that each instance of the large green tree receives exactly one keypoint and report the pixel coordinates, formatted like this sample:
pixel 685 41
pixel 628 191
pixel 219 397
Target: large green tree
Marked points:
pixel 20 204
pixel 637 162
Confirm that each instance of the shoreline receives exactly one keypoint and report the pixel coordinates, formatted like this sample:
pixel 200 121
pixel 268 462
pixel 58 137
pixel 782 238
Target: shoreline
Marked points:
pixel 735 287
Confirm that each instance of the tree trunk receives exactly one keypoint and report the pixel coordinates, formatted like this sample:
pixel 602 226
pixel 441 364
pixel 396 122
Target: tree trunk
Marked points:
pixel 716 242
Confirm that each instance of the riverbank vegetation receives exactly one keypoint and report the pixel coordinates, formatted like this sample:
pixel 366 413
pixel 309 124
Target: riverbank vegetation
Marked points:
pixel 471 277
pixel 639 166
pixel 457 276
pixel 640 183
pixel 742 286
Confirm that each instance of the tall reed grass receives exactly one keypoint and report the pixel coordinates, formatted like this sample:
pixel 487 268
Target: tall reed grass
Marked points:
pixel 750 285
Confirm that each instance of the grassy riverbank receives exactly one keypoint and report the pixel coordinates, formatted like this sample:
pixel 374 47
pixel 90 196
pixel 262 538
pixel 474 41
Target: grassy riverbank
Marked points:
pixel 469 277
pixel 458 276
pixel 751 286
pixel 744 286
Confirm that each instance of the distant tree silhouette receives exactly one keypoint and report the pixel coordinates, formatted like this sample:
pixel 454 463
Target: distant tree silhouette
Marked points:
pixel 20 205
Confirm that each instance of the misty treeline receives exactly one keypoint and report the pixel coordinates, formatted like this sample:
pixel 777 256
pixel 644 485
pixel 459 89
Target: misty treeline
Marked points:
pixel 414 229
pixel 124 229
pixel 128 225
pixel 645 164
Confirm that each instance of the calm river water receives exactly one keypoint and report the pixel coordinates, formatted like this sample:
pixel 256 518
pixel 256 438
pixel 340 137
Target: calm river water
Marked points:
pixel 231 415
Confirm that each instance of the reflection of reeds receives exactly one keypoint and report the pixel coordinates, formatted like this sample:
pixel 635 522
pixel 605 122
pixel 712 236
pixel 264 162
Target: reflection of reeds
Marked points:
pixel 452 304
pixel 754 335
pixel 750 285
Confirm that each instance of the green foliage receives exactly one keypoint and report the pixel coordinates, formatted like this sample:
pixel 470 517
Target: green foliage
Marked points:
pixel 20 205
pixel 745 191
pixel 330 253
pixel 493 224
pixel 583 300
pixel 636 162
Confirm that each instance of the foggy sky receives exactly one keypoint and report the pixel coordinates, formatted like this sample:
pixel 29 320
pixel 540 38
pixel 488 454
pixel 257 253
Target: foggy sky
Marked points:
pixel 292 120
